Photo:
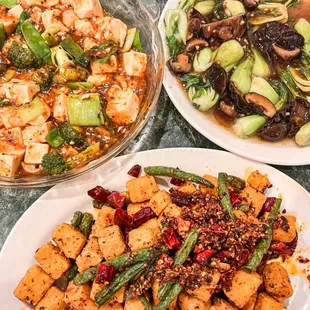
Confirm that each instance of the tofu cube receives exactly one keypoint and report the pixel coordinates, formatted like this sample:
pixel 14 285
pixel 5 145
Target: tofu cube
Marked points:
pixel 221 304
pixel 123 107
pixel 281 235
pixel 258 181
pixel 160 201
pixel 98 79
pixel 251 303
pixel 111 242
pixel 110 66
pixel 69 240
pixel 60 110
pixel 84 27
pixel 105 218
pixel 142 189
pixel 19 91
pixel 135 63
pixel 9 163
pixel 205 291
pixel 69 18
pixel 33 285
pixel 44 3
pixel 266 302
pixel 155 289
pixel 88 43
pixel 10 139
pixel 243 287
pixel 77 297
pixel 187 188
pixel 144 236
pixel 133 208
pixel 187 302
pixel 16 11
pixel 87 8
pixel 277 281
pixel 134 304
pixel 118 297
pixel 90 255
pixel 36 134
pixel 52 300
pixel 8 20
pixel 51 20
pixel 172 210
pixel 110 305
pixel 210 191
pixel 35 152
pixel 52 260
pixel 255 198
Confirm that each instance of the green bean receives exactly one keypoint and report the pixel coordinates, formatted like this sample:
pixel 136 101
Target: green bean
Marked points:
pixel 163 290
pixel 235 182
pixel 23 17
pixel 171 295
pixel 88 275
pixel 2 35
pixel 86 224
pixel 77 219
pixel 178 174
pixel 117 283
pixel 145 302
pixel 244 208
pixel 263 246
pixel 224 195
pixel 35 41
pixel 73 272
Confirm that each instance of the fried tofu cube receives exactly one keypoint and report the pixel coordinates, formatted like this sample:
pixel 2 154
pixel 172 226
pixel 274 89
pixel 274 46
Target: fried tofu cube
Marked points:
pixel 36 134
pixel 52 300
pixel 110 66
pixel 8 20
pixel 205 291
pixel 258 181
pixel 88 44
pixel 256 198
pixel 33 285
pixel 221 304
pixel 251 303
pixel 111 242
pixel 172 210
pixel 188 302
pixel 16 11
pixel 281 235
pixel 144 236
pixel 87 8
pixel 9 163
pixel 105 218
pixel 51 20
pixel 155 289
pixel 123 108
pixel 142 189
pixel 210 191
pixel 243 287
pixel 35 152
pixel 277 281
pixel 133 208
pixel 134 304
pixel 110 305
pixel 10 138
pixel 160 201
pixel 52 260
pixel 77 297
pixel 266 302
pixel 84 27
pixel 135 63
pixel 69 240
pixel 69 18
pixel 187 188
pixel 60 111
pixel 118 297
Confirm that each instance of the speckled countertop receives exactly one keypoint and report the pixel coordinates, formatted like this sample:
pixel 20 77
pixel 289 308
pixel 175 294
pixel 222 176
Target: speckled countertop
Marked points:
pixel 165 129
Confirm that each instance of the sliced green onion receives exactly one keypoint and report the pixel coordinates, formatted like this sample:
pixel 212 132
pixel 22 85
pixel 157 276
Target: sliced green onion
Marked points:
pixel 2 35
pixel 29 112
pixel 77 85
pixel 8 3
pixel 136 42
pixel 53 138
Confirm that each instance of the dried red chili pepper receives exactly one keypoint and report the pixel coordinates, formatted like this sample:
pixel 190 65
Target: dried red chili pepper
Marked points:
pixel 171 239
pixel 99 193
pixel 243 257
pixel 134 171
pixel 268 205
pixel 203 257
pixel 235 199
pixel 222 255
pixel 122 219
pixel 217 228
pixel 105 274
pixel 284 248
pixel 183 225
pixel 116 200
pixel 142 216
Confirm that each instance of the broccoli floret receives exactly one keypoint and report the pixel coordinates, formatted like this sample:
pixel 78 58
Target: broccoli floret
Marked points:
pixel 54 164
pixel 72 136
pixel 21 56
pixel 43 77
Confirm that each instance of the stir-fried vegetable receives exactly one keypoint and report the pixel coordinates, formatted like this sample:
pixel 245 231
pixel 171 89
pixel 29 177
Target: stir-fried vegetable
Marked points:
pixel 202 60
pixel 301 77
pixel 233 7
pixel 186 4
pixel 224 194
pixel 203 99
pixel 8 3
pixel 2 35
pixel 77 219
pixel 71 136
pixel 282 92
pixel 23 17
pixel 205 7
pixel 248 126
pixel 33 110
pixel 137 42
pixel 269 12
pixel 53 138
pixel 261 68
pixel 290 84
pixel 302 137
pixel 262 87
pixel 54 164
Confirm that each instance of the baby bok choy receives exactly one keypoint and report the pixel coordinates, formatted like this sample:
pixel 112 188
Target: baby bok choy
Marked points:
pixel 248 126
pixel 282 92
pixel 303 28
pixel 301 77
pixel 205 7
pixel 302 137
pixel 261 68
pixel 269 12
pixel 185 5
pixel 202 60
pixel 176 31
pixel 233 7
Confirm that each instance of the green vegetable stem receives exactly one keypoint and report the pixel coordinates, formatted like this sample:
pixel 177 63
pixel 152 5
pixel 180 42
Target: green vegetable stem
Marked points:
pixel 224 195
pixel 77 219
pixel 86 224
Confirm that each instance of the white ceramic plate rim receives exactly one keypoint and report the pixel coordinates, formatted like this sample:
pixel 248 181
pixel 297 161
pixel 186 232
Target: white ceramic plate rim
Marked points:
pixel 58 204
pixel 283 153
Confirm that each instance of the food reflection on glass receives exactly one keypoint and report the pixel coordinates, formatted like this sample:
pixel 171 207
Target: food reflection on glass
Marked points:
pixel 72 78
pixel 247 62
pixel 208 241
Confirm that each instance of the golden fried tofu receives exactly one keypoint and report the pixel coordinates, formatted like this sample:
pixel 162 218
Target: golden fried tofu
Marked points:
pixel 188 302
pixel 172 210
pixel 266 302
pixel 160 201
pixel 155 289
pixel 33 285
pixel 188 188
pixel 52 260
pixel 111 305
pixel 210 191
pixel 281 235
pixel 258 181
pixel 118 297
pixel 277 281
pixel 243 287
pixel 134 304
pixel 251 303
pixel 133 208
pixel 52 300
pixel 111 242
pixel 221 304
pixel 253 196
pixel 69 240
pixel 142 189
pixel 105 218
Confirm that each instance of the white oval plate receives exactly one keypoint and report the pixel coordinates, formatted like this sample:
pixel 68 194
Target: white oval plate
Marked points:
pixel 282 153
pixel 58 205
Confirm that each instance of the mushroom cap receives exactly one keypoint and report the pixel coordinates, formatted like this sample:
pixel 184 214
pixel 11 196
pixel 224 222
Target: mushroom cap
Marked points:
pixel 181 64
pixel 285 54
pixel 196 45
pixel 261 104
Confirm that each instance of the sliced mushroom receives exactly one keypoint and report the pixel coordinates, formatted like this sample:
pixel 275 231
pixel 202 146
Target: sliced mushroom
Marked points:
pixel 218 78
pixel 300 114
pixel 196 45
pixel 193 13
pixel 228 109
pixel 181 64
pixel 261 104
pixel 285 54
pixel 274 132
pixel 226 29
pixel 193 27
pixel 250 4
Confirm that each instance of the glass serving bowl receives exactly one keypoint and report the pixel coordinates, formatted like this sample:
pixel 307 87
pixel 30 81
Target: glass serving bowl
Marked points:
pixel 134 14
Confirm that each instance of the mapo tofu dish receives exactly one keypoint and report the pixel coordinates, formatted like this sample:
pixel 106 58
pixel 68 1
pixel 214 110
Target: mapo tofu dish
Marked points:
pixel 72 80
pixel 207 243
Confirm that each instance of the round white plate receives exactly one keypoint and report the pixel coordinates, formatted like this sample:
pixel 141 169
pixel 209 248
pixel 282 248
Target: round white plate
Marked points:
pixel 58 205
pixel 281 153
